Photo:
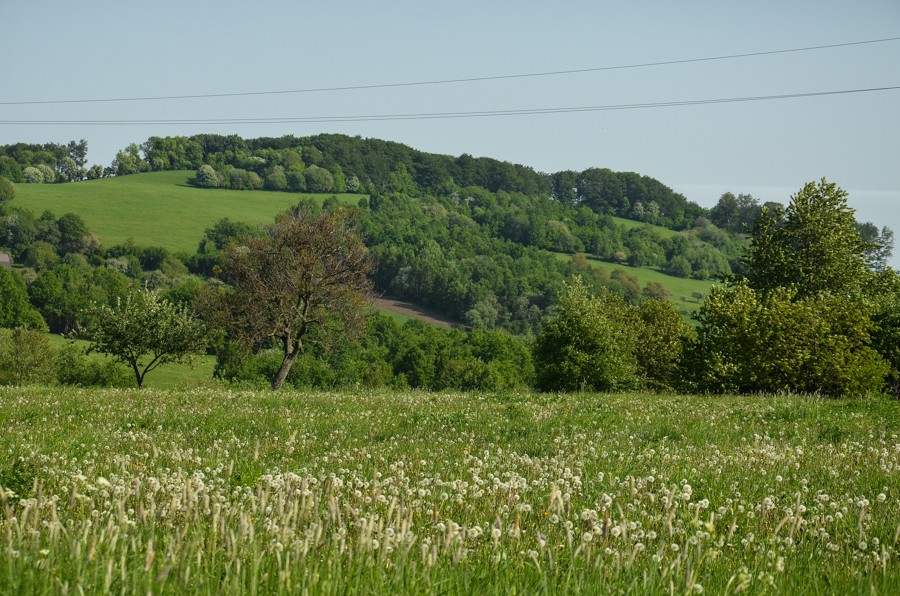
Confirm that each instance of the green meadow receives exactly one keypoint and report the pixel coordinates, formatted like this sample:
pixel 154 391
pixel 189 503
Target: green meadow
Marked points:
pixel 156 208
pixel 216 491
pixel 682 289
pixel 630 224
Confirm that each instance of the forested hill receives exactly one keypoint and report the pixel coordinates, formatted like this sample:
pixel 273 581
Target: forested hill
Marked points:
pixel 479 240
pixel 356 164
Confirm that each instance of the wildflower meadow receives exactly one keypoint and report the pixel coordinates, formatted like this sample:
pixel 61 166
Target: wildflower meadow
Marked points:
pixel 215 491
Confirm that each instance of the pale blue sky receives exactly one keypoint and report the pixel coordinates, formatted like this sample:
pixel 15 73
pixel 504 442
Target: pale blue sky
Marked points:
pixel 64 50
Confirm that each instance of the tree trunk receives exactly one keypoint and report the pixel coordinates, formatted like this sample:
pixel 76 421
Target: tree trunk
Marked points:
pixel 281 375
pixel 137 375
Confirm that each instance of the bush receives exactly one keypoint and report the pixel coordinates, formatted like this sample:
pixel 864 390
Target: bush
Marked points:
pixel 26 357
pixel 751 342
pixel 659 335
pixel 206 177
pixel 75 368
pixel 586 344
pixel 32 175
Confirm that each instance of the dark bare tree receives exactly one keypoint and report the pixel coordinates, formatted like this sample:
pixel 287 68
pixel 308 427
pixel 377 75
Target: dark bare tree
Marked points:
pixel 310 271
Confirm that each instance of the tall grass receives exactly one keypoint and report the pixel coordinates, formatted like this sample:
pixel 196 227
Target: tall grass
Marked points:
pixel 214 491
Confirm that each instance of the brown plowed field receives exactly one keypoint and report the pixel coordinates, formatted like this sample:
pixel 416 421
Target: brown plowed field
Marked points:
pixel 414 311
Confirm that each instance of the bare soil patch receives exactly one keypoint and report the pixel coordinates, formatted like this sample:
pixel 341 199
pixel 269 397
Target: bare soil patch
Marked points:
pixel 415 311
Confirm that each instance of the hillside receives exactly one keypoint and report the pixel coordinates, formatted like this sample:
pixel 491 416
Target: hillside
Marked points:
pixel 470 239
pixel 155 208
pixel 119 209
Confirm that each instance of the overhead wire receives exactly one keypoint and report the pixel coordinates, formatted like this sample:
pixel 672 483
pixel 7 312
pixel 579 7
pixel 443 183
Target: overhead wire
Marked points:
pixel 451 115
pixel 360 87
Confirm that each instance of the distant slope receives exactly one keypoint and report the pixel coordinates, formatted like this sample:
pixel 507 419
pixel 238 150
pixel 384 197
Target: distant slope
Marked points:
pixel 682 289
pixel 161 209
pixel 156 208
pixel 630 224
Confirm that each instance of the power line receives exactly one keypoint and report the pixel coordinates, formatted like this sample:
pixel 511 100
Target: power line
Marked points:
pixel 450 115
pixel 451 81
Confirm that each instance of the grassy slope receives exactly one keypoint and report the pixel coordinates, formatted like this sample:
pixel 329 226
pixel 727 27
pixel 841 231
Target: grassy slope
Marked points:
pixel 630 224
pixel 219 491
pixel 678 286
pixel 156 209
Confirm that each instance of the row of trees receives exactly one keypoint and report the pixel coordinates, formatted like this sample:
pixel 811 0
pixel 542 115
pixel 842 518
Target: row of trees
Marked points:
pixel 48 163
pixel 372 165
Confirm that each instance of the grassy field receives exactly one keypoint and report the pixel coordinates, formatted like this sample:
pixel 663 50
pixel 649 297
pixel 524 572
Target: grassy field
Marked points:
pixel 630 224
pixel 214 491
pixel 681 289
pixel 157 208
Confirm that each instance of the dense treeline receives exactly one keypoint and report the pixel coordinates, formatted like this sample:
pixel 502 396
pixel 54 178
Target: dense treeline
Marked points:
pixel 48 163
pixel 338 163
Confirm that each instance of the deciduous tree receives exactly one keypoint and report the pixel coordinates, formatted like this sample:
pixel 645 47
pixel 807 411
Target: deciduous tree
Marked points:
pixel 7 190
pixel 814 244
pixel 144 331
pixel 310 271
pixel 586 344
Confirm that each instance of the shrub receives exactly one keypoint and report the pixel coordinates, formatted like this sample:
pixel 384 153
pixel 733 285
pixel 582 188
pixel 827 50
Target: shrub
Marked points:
pixel 75 368
pixel 750 342
pixel 26 357
pixel 659 335
pixel 586 344
pixel 206 177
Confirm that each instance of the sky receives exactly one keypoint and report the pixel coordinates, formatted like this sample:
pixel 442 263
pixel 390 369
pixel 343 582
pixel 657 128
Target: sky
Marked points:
pixel 61 50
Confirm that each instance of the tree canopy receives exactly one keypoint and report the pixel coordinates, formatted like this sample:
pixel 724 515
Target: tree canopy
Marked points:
pixel 814 244
pixel 145 331
pixel 309 272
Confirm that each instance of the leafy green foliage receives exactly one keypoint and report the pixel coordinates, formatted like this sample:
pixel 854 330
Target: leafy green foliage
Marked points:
pixel 25 357
pixel 144 331
pixel 751 341
pixel 7 190
pixel 586 344
pixel 206 177
pixel 63 295
pixel 15 309
pixel 411 355
pixel 74 367
pixel 879 246
pixel 813 245
pixel 885 292
pixel 659 334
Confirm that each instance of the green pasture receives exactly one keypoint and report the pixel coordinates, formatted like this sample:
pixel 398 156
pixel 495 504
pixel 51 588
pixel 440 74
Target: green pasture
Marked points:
pixel 630 224
pixel 218 491
pixel 156 208
pixel 681 288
